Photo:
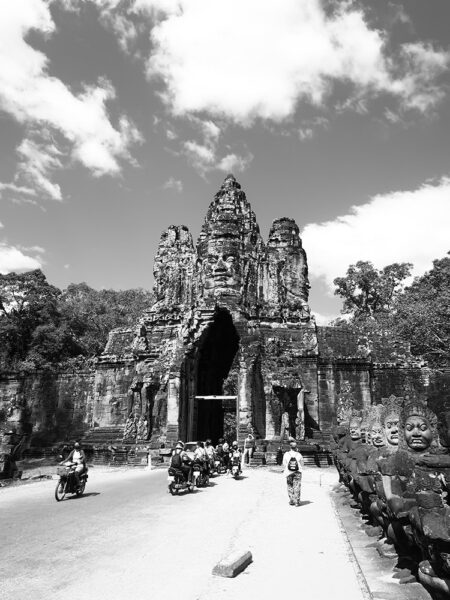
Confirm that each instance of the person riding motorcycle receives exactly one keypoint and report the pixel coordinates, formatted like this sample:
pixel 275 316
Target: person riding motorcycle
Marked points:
pixel 200 456
pixel 235 454
pixel 78 457
pixel 180 460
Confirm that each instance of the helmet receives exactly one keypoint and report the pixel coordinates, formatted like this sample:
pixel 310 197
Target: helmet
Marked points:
pixel 76 445
pixel 179 446
pixel 234 444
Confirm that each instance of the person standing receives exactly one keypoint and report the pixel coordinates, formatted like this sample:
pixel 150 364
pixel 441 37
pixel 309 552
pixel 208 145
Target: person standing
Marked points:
pixel 249 447
pixel 293 468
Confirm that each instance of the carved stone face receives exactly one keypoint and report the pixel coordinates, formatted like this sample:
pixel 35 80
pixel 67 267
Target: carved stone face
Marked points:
pixel 222 269
pixel 391 429
pixel 418 434
pixel 377 435
pixel 355 429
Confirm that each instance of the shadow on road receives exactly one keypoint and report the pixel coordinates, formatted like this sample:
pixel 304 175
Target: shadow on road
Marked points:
pixel 83 496
pixel 305 502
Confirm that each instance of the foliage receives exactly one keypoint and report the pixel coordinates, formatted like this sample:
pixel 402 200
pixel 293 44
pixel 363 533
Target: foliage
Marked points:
pixel 27 302
pixel 367 291
pixel 423 314
pixel 92 314
pixel 390 316
pixel 44 328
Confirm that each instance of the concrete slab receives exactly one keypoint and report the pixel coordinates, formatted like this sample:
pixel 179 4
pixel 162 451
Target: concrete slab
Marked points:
pixel 233 564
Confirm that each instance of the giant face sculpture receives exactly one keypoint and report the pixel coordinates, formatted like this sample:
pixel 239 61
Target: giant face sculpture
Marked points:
pixel 222 268
pixel 418 434
pixel 418 427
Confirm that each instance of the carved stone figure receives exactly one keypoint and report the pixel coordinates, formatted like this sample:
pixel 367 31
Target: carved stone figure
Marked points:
pixel 130 430
pixel 142 428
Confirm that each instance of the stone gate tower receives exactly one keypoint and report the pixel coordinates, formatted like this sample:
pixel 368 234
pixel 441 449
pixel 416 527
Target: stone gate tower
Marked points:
pixel 230 318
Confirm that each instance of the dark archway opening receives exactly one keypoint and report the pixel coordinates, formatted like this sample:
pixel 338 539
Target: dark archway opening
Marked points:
pixel 216 352
pixel 287 398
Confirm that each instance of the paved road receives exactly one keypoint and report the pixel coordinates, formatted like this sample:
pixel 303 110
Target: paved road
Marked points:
pixel 128 538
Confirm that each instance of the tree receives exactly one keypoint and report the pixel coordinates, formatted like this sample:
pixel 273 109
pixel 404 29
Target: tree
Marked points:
pixel 27 301
pixel 91 314
pixel 368 292
pixel 423 314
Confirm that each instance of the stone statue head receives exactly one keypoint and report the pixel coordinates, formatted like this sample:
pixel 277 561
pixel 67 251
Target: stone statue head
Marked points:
pixel 418 427
pixel 355 427
pixel 365 427
pixel 222 267
pixel 392 407
pixel 376 427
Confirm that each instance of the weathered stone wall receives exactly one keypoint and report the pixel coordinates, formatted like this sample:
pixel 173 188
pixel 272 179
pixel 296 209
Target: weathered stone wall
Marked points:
pixel 50 407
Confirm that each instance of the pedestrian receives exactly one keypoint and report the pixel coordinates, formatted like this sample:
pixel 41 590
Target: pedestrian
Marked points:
pixel 249 448
pixel 293 467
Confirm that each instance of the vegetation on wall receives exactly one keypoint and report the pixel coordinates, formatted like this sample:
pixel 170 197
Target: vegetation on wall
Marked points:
pixel 43 328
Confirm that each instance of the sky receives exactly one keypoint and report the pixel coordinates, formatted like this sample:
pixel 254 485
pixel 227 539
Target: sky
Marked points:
pixel 119 118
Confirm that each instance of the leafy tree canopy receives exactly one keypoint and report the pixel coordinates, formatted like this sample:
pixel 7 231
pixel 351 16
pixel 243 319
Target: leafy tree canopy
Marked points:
pixel 367 291
pixel 423 314
pixel 381 309
pixel 42 327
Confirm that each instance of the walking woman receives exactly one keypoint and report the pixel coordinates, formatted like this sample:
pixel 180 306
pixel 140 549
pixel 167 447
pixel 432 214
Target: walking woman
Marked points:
pixel 293 467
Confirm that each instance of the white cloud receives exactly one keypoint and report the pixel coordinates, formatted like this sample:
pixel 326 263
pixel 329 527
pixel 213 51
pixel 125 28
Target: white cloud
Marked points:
pixel 260 58
pixel 309 127
pixel 405 226
pixel 324 319
pixel 36 164
pixel 13 259
pixel 233 163
pixel 171 134
pixel 17 189
pixel 173 184
pixel 38 100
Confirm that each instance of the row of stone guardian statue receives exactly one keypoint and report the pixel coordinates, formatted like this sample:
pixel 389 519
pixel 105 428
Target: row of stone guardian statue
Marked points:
pixel 395 460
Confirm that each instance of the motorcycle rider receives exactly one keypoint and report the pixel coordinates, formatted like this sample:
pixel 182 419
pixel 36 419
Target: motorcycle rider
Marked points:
pixel 235 454
pixel 78 457
pixel 180 460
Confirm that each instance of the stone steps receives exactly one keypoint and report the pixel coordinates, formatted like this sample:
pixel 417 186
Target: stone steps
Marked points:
pixel 104 435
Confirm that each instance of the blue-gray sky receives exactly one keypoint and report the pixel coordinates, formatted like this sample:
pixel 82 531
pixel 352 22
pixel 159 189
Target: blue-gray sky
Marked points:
pixel 121 117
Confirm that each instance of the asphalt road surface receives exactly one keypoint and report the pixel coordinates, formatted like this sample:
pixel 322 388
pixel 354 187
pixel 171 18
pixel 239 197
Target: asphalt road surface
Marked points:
pixel 128 538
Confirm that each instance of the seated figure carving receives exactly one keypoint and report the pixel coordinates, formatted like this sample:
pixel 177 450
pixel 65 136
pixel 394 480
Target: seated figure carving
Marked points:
pixel 390 416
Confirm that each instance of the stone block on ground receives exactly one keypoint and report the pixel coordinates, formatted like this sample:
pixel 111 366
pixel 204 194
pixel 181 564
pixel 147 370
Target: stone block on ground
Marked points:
pixel 233 564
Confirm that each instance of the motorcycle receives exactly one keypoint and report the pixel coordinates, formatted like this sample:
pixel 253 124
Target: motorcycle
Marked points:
pixel 220 466
pixel 67 483
pixel 235 466
pixel 177 482
pixel 200 474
